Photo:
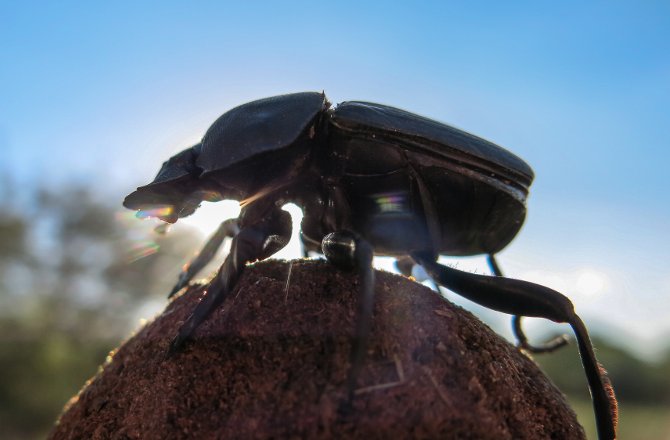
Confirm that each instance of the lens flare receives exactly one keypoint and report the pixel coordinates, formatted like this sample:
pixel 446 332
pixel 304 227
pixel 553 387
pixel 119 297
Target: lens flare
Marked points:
pixel 155 211
pixel 391 202
pixel 141 250
pixel 590 282
pixel 138 236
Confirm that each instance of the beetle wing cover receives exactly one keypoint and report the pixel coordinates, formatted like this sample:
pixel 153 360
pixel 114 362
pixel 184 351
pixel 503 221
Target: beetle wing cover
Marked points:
pixel 258 127
pixel 443 139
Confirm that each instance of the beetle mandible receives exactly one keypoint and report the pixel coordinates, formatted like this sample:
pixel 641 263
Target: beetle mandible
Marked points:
pixel 371 179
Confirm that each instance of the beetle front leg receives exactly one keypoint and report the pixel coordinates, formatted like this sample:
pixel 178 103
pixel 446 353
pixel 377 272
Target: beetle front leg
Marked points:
pixel 349 251
pixel 521 339
pixel 523 298
pixel 229 228
pixel 256 241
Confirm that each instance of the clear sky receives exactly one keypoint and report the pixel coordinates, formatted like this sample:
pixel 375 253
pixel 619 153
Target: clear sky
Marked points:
pixel 104 92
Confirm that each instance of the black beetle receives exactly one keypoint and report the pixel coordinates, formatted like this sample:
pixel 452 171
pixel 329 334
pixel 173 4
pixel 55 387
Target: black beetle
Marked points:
pixel 371 179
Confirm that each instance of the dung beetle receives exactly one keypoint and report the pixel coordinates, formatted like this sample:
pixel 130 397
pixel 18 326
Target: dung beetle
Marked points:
pixel 371 180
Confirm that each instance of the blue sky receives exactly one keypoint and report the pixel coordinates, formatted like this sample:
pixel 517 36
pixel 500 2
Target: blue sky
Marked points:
pixel 103 93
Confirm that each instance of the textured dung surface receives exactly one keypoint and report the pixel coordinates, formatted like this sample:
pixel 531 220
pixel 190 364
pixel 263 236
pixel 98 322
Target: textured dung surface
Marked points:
pixel 272 362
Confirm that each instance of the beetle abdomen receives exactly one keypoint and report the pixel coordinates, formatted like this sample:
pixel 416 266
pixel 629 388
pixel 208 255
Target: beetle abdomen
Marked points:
pixel 432 137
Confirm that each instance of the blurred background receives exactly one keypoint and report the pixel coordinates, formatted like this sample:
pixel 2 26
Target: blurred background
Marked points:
pixel 94 97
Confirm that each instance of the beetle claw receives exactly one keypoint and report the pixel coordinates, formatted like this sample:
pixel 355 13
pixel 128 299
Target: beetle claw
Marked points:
pixel 175 345
pixel 177 287
pixel 547 347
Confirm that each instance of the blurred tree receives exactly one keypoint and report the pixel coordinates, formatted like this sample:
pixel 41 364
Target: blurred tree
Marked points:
pixel 642 388
pixel 635 380
pixel 74 271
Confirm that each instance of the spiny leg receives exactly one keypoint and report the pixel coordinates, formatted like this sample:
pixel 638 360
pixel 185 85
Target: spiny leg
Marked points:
pixel 518 297
pixel 255 241
pixel 521 339
pixel 347 250
pixel 228 228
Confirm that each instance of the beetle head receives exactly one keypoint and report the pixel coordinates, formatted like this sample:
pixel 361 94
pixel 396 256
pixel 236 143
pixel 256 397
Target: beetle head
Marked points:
pixel 175 192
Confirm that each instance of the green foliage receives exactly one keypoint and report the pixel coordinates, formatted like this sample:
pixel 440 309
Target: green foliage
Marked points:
pixel 642 389
pixel 74 271
pixel 39 373
pixel 13 237
pixel 636 381
pixel 638 422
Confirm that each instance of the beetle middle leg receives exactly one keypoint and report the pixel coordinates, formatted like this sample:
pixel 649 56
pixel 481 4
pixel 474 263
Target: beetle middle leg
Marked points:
pixel 350 251
pixel 405 265
pixel 518 297
pixel 521 339
pixel 257 239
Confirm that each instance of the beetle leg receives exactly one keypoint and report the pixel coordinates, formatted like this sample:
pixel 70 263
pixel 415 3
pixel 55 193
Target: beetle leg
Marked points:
pixel 518 297
pixel 308 246
pixel 521 339
pixel 349 251
pixel 405 265
pixel 547 347
pixel 256 241
pixel 227 229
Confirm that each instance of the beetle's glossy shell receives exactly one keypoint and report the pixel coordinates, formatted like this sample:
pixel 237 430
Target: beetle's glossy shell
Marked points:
pixel 258 127
pixel 432 136
pixel 477 189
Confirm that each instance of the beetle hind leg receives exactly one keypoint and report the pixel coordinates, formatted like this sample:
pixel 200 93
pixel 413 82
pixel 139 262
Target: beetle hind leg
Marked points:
pixel 523 298
pixel 521 339
pixel 405 265
pixel 546 347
